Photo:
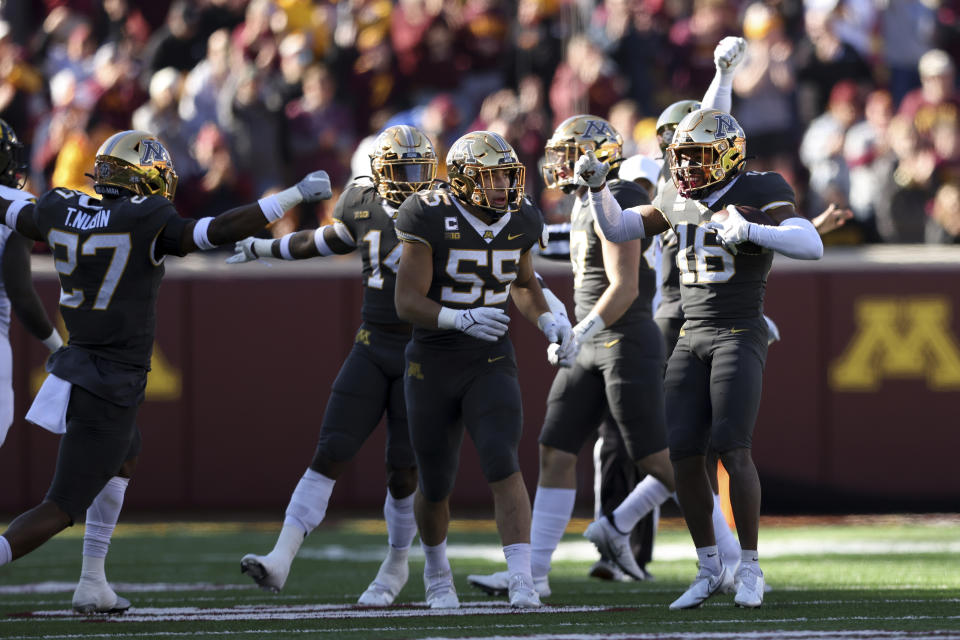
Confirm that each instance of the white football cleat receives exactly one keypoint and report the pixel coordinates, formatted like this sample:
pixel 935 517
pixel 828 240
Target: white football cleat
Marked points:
pixel 96 596
pixel 441 594
pixel 387 585
pixel 523 595
pixel 703 586
pixel 614 545
pixel 750 587
pixel 269 572
pixel 498 584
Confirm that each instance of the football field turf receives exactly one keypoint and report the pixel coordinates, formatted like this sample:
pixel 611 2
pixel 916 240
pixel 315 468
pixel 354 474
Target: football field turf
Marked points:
pixel 875 577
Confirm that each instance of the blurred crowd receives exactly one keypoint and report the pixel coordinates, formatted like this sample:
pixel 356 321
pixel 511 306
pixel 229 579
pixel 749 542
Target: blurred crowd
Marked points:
pixel 854 101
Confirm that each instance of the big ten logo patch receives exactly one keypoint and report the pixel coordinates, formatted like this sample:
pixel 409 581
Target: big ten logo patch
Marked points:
pixel 451 228
pixel 414 370
pixel 362 337
pixel 899 338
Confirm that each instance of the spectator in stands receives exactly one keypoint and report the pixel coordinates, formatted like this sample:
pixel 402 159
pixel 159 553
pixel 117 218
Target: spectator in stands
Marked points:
pixel 178 44
pixel 900 209
pixel 943 226
pixel 764 87
pixel 822 148
pixel 206 82
pixel 585 82
pixel 908 28
pixel 251 119
pixel 159 113
pixel 937 99
pixel 869 160
pixel 822 60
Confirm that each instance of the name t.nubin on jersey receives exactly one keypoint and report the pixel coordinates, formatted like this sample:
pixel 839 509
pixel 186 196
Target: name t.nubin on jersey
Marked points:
pixel 83 221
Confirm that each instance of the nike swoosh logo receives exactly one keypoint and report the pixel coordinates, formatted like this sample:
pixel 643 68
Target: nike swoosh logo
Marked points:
pixel 611 343
pixel 495 359
pixel 513 236
pixel 738 330
pixel 711 555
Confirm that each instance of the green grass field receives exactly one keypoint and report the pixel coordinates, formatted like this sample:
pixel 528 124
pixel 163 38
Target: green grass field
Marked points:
pixel 884 577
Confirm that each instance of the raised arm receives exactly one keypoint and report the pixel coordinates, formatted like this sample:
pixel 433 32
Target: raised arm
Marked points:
pixel 236 224
pixel 727 56
pixel 616 224
pixel 23 297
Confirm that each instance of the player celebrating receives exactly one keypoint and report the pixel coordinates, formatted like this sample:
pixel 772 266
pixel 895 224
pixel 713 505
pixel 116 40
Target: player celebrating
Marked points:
pixel 618 371
pixel 109 253
pixel 466 253
pixel 370 381
pixel 714 376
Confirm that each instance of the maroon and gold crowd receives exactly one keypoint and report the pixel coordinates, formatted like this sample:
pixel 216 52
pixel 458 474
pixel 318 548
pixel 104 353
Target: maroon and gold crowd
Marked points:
pixel 854 101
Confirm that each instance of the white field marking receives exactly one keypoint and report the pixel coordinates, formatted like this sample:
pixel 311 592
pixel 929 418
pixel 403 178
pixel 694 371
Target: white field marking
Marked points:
pixel 304 612
pixel 866 634
pixel 132 587
pixel 585 551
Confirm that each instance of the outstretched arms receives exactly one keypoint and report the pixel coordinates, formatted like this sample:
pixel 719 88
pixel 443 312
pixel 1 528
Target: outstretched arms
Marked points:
pixel 236 224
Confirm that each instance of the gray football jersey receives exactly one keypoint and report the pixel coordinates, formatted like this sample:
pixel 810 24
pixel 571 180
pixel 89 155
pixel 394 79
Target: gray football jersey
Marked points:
pixel 586 256
pixel 715 283
pixel 473 264
pixel 370 220
pixel 109 256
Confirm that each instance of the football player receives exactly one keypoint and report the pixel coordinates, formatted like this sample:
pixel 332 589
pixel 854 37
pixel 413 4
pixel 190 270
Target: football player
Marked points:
pixel 714 375
pixel 466 254
pixel 618 371
pixel 16 287
pixel 370 382
pixel 109 254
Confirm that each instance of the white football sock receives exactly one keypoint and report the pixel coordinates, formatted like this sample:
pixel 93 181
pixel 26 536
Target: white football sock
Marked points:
pixel 308 504
pixel 726 541
pixel 648 493
pixel 401 525
pixel 749 557
pixel 435 559
pixel 102 516
pixel 6 555
pixel 709 558
pixel 552 509
pixel 518 558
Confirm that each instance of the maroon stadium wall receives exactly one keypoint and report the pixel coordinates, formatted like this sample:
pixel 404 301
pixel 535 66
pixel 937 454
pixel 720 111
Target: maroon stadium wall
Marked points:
pixel 859 403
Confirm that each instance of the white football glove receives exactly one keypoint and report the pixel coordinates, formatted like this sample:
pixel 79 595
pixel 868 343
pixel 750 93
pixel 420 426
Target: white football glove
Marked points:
pixel 560 356
pixel 731 227
pixel 729 53
pixel 315 186
pixel 590 171
pixel 485 323
pixel 243 252
pixel 560 335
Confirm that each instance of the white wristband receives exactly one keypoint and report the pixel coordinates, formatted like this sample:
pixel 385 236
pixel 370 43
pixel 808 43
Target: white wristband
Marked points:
pixel 447 318
pixel 13 212
pixel 285 247
pixel 200 234
pixel 555 304
pixel 321 243
pixel 589 326
pixel 274 206
pixel 53 341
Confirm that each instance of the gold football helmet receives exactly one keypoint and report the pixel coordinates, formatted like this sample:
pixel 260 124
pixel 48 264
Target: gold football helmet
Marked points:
pixel 135 161
pixel 670 118
pixel 484 170
pixel 403 161
pixel 708 150
pixel 571 139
